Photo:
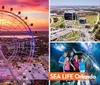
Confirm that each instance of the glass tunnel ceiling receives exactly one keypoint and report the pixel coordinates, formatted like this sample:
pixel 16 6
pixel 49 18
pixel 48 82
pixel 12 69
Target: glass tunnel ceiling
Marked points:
pixel 83 47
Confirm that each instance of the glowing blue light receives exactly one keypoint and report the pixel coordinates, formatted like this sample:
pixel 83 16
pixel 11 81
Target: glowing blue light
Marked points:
pixel 84 45
pixel 59 47
pixel 89 43
pixel 95 65
pixel 87 46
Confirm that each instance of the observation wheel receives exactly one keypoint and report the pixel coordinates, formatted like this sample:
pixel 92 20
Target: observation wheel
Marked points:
pixel 16 44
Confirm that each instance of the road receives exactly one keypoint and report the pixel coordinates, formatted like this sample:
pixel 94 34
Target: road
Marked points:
pixel 97 18
pixel 58 33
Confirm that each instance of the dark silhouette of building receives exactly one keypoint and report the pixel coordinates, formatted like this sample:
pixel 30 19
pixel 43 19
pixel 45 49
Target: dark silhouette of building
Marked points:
pixel 82 20
pixel 71 15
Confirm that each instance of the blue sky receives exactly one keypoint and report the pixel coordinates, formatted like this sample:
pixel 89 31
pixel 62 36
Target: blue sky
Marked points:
pixel 74 2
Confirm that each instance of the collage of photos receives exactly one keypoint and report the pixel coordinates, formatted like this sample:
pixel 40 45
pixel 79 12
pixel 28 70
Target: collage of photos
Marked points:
pixel 39 38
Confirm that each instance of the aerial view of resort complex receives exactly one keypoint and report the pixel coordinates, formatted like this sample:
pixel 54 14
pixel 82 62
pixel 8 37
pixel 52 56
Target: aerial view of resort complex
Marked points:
pixel 75 21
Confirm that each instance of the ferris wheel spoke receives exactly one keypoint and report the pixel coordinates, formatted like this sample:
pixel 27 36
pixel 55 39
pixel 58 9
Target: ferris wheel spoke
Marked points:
pixel 14 53
pixel 5 29
pixel 10 27
pixel 1 21
pixel 19 24
pixel 14 22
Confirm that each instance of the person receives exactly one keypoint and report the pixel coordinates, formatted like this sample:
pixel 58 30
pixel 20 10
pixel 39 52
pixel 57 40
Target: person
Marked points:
pixel 71 56
pixel 82 68
pixel 67 65
pixel 61 61
pixel 82 65
pixel 76 63
pixel 61 64
pixel 71 60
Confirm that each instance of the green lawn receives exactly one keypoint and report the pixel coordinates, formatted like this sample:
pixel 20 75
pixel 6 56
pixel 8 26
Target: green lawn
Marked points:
pixel 91 19
pixel 76 25
pixel 71 36
pixel 58 23
pixel 99 16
